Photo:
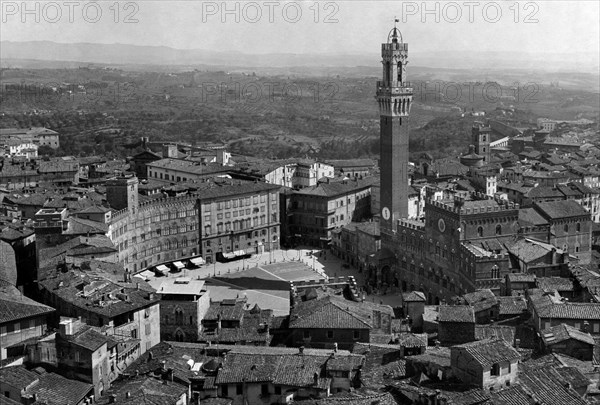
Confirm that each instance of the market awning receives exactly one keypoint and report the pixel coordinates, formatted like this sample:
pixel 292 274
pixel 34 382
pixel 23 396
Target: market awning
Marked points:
pixel 162 268
pixel 198 261
pixel 179 265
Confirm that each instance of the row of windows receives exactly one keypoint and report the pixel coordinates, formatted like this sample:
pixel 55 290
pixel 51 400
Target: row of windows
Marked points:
pixel 239 225
pixel 236 213
pixel 19 326
pixel 173 230
pixel 167 245
pixel 241 202
pixel 166 176
pixel 237 238
pixel 164 216
pixel 498 230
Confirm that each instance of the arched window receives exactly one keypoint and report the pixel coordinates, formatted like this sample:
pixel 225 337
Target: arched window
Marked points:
pixel 480 231
pixel 578 227
pixel 179 316
pixel 387 71
pixel 566 228
pixel 400 72
pixel 498 229
pixel 179 336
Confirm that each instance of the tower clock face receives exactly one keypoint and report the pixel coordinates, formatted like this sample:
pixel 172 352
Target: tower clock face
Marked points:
pixel 385 213
pixel 441 225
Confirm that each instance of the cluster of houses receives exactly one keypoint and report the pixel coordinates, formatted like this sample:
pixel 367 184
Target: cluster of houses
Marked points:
pixel 496 267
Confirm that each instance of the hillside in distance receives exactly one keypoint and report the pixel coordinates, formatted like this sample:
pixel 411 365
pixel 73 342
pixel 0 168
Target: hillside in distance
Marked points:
pixel 124 54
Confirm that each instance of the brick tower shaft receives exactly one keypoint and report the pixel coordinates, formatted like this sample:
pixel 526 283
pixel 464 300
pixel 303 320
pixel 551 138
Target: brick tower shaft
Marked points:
pixel 394 96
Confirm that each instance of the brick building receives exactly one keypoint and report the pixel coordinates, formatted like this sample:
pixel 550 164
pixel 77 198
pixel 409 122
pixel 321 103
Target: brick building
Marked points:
pixel 456 324
pixel 571 227
pixel 314 212
pixel 21 318
pixel 183 304
pixel 213 217
pixel 488 364
pixel 121 309
pixel 254 375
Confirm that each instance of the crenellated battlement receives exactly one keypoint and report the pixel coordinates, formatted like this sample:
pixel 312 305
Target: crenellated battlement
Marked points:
pixel 394 46
pixel 410 224
pixel 153 204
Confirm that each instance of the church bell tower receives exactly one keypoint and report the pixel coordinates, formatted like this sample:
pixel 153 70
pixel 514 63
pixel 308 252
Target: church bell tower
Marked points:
pixel 394 96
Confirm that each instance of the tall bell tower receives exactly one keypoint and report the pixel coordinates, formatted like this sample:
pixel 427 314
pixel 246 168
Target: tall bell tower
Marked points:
pixel 394 96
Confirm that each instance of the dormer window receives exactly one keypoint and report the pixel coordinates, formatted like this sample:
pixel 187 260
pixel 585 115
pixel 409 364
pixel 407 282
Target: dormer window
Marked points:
pixel 495 370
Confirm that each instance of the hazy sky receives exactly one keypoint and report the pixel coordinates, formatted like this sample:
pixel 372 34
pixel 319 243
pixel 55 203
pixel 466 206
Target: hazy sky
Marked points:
pixel 350 26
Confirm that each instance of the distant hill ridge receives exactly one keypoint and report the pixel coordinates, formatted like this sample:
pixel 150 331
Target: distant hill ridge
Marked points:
pixel 163 55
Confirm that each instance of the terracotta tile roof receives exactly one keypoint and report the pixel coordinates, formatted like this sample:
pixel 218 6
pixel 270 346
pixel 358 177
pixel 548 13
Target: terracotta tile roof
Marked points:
pixel 380 377
pixel 342 163
pixel 414 296
pixel 81 226
pixel 18 376
pixel 144 391
pixel 54 389
pixel 546 307
pixel 514 395
pixel 88 338
pixel 226 310
pixel 251 330
pixel 506 333
pixel 437 355
pixel 411 340
pixel 521 277
pixel 15 306
pixel 352 399
pixel 336 188
pixel 102 297
pixel 544 192
pixel 481 300
pixel 471 397
pixel 456 313
pixel 530 217
pixel 559 284
pixel 488 352
pixel 297 369
pixel 530 250
pixel 512 305
pixel 562 332
pixel 561 209
pixel 332 312
pixel 548 387
pixel 175 355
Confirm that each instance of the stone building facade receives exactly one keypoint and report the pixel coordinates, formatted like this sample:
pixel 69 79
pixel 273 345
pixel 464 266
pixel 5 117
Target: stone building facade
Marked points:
pixel 214 217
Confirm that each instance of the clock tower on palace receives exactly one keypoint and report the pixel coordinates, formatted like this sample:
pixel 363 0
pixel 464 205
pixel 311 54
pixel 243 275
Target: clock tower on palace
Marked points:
pixel 394 96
